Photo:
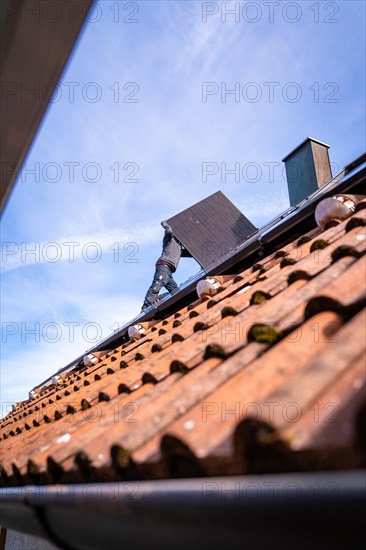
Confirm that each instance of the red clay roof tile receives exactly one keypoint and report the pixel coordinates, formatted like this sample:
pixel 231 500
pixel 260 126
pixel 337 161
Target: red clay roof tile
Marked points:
pixel 241 382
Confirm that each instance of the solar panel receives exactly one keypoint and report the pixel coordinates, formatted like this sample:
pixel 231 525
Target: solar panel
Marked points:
pixel 211 229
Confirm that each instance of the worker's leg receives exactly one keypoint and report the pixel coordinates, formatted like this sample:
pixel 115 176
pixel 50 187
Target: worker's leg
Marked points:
pixel 153 291
pixel 162 277
pixel 170 285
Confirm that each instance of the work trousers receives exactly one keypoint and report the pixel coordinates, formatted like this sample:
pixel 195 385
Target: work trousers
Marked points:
pixel 162 278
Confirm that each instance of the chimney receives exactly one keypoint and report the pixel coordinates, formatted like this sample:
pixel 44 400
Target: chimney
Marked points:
pixel 307 169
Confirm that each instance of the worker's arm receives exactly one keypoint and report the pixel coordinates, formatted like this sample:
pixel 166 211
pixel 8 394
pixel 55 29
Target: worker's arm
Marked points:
pixel 169 232
pixel 167 227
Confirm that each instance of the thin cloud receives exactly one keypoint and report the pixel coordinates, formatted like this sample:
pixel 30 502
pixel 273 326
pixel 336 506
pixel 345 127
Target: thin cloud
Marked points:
pixel 74 248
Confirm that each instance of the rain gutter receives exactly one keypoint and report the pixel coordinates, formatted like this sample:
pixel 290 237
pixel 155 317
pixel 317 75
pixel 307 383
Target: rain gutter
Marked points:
pixel 302 511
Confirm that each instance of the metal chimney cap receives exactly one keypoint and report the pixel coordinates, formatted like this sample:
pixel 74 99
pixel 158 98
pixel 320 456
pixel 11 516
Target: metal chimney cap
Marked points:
pixel 301 144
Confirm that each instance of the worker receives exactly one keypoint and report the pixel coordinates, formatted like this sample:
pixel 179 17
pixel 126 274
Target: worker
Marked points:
pixel 165 266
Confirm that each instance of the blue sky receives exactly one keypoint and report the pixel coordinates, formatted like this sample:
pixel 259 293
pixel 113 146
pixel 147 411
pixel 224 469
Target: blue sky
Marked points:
pixel 141 118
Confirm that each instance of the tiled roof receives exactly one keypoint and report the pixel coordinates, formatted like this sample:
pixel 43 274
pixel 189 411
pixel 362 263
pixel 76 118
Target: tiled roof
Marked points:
pixel 267 375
